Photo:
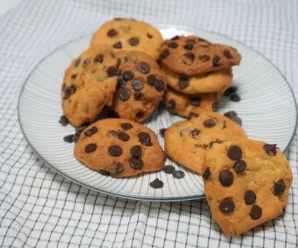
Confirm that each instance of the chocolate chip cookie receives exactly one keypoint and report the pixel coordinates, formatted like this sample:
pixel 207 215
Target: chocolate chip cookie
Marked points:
pixel 186 141
pixel 141 86
pixel 89 84
pixel 129 35
pixel 216 81
pixel 192 55
pixel 122 148
pixel 246 184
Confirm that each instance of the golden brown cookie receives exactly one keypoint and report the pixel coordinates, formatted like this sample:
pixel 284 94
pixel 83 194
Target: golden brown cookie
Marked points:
pixel 186 141
pixel 89 84
pixel 186 105
pixel 246 184
pixel 141 86
pixel 204 83
pixel 120 147
pixel 129 35
pixel 192 55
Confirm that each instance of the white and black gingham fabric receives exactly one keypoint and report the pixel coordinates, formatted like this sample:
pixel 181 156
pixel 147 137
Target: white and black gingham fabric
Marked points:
pixel 39 208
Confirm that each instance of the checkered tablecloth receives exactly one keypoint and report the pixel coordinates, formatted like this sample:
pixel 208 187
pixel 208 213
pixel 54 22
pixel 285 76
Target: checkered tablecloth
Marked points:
pixel 39 208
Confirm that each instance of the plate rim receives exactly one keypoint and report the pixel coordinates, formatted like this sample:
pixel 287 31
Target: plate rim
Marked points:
pixel 134 197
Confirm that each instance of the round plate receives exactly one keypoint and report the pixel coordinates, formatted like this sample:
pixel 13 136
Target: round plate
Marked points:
pixel 267 109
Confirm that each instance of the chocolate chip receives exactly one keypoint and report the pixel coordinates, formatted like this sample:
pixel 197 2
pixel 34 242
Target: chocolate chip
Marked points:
pixel 235 97
pixel 124 94
pixel 168 169
pixel 115 151
pixel 138 96
pixel 178 174
pixel 144 68
pixel 140 115
pixel 255 212
pixel 117 45
pixel 234 152
pixel 128 75
pixel 77 62
pixel 204 58
pixel 173 45
pixel 63 120
pixel 156 184
pixel 118 168
pixel 250 197
pixel 136 163
pixel 227 205
pixel 69 138
pixel 195 101
pixel 133 41
pixel 239 166
pixel 237 120
pixel 209 123
pixel 123 136
pixel 176 37
pixel 160 85
pixel 137 85
pixel 270 149
pixel 183 82
pixel 126 126
pixel 90 131
pixel 231 90
pixel 151 79
pixel 227 54
pixel 165 53
pixel 136 151
pixel 111 32
pixel 279 187
pixel 112 133
pixel 145 138
pixel 73 76
pixel 104 173
pixel 192 115
pixel 79 130
pixel 86 63
pixel 188 46
pixel 226 178
pixel 189 56
pixel 230 114
pixel 195 132
pixel 98 59
pixel 121 82
pixel 149 36
pixel 112 71
pixel 171 104
pixel 215 61
pixel 206 174
pixel 162 132
pixel 69 91
pixel 90 148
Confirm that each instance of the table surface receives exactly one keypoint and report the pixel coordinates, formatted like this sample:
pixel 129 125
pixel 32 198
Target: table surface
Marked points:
pixel 6 5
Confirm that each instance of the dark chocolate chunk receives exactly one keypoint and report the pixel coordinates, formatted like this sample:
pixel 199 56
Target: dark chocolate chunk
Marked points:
pixel 234 152
pixel 145 138
pixel 279 187
pixel 137 85
pixel 149 36
pixel 121 82
pixel 140 115
pixel 112 133
pixel 118 168
pixel 188 46
pixel 156 184
pixel 111 32
pixel 178 174
pixel 90 148
pixel 216 61
pixel 113 71
pixel 227 54
pixel 90 131
pixel 250 197
pixel 69 91
pixel 227 205
pixel 183 82
pixel 230 114
pixel 117 45
pixel 124 94
pixel 171 104
pixel 144 68
pixel 98 59
pixel 195 101
pixel 162 131
pixel 235 97
pixel 192 115
pixel 168 169
pixel 115 151
pixel 206 174
pixel 173 45
pixel 231 90
pixel 136 163
pixel 195 132
pixel 133 41
pixel 209 123
pixel 226 178
pixel 165 53
pixel 127 75
pixel 204 58
pixel 69 138
pixel 189 56
pixel 160 85
pixel 126 126
pixel 176 37
pixel 123 136
pixel 255 212
pixel 86 63
pixel 138 96
pixel 63 120
pixel 270 149
pixel 136 151
pixel 104 173
pixel 151 79
pixel 239 166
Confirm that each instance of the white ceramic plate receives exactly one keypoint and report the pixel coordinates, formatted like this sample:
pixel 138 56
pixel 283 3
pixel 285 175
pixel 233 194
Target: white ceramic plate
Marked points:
pixel 267 109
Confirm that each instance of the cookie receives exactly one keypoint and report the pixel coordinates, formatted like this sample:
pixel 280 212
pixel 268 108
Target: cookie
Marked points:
pixel 120 147
pixel 129 35
pixel 246 184
pixel 186 141
pixel 192 55
pixel 89 84
pixel 216 81
pixel 184 105
pixel 141 86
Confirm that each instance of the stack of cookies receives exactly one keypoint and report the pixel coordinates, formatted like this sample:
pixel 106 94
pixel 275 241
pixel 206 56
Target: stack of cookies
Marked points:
pixel 198 73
